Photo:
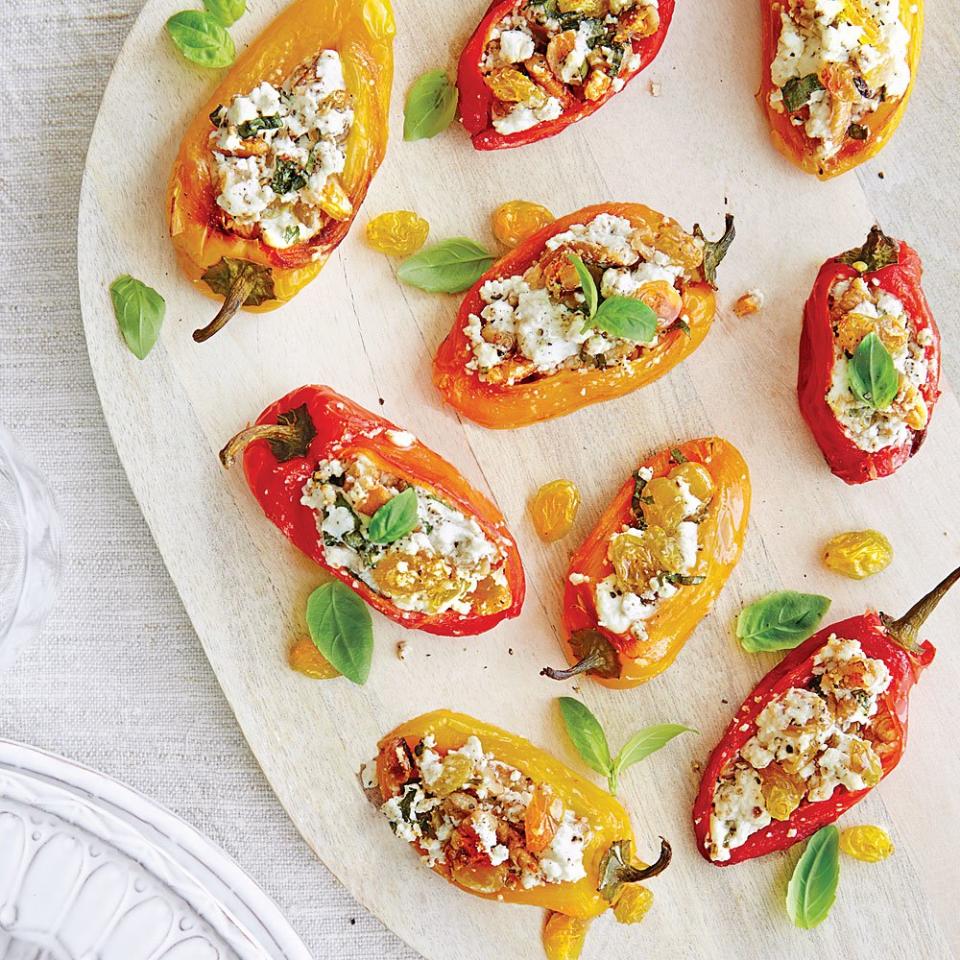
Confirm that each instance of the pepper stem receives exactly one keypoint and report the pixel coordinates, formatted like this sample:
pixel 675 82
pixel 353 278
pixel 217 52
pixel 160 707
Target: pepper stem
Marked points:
pixel 617 868
pixel 283 432
pixel 240 289
pixel 289 437
pixel 905 630
pixel 592 661
pixel 629 873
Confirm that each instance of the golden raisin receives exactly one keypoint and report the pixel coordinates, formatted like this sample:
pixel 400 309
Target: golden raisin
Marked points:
pixel 633 904
pixel 662 298
pixel 563 936
pixel 867 843
pixel 697 477
pixel 480 877
pixel 554 509
pixel 542 819
pixel 782 792
pixel 858 554
pixel 586 8
pixel 455 771
pixel 853 327
pixel 489 597
pixel 670 505
pixel 405 575
pixel 516 220
pixel 749 303
pixel 334 200
pixel 638 558
pixel 305 658
pixel 512 86
pixel 864 760
pixel 397 232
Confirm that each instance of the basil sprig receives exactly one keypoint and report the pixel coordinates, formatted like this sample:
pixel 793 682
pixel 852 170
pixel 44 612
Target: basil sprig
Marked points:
pixel 201 38
pixel 341 627
pixel 813 886
pixel 227 12
pixel 588 737
pixel 395 519
pixel 139 310
pixel 780 621
pixel 431 106
pixel 871 374
pixel 621 317
pixel 450 266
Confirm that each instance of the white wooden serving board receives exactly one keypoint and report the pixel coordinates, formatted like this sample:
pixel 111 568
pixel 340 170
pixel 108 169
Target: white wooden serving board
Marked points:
pixel 697 150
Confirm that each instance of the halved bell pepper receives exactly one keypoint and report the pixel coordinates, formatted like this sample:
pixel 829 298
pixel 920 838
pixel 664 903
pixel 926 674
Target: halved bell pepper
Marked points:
pixel 623 660
pixel 607 853
pixel 504 405
pixel 476 97
pixel 313 424
pixel 896 643
pixel 884 264
pixel 792 141
pixel 245 272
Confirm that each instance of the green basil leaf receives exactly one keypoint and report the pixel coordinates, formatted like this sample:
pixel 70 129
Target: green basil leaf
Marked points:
pixel 226 11
pixel 586 734
pixel 431 106
pixel 587 282
pixel 139 310
pixel 643 743
pixel 780 621
pixel 813 886
pixel 288 177
pixel 395 519
pixel 201 38
pixel 797 91
pixel 626 318
pixel 450 266
pixel 871 374
pixel 341 627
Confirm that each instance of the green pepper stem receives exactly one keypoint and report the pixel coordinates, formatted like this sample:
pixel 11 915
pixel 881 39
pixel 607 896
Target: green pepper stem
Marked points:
pixel 236 297
pixel 283 432
pixel 631 874
pixel 592 661
pixel 905 630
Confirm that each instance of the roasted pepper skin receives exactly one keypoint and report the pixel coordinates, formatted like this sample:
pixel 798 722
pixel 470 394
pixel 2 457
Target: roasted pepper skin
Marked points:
pixel 793 143
pixel 362 32
pixel 845 458
pixel 722 535
pixel 505 406
pixel 476 98
pixel 796 669
pixel 608 820
pixel 343 428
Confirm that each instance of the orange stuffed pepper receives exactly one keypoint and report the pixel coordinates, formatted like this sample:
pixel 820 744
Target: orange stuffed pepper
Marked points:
pixel 597 304
pixel 273 169
pixel 653 565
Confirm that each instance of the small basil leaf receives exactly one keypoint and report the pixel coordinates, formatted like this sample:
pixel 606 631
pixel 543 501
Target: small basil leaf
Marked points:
pixel 813 886
pixel 431 106
pixel 139 310
pixel 878 252
pixel 797 91
pixel 288 177
pixel 627 319
pixel 395 519
pixel 227 12
pixel 780 621
pixel 587 282
pixel 644 742
pixel 201 38
pixel 871 374
pixel 341 627
pixel 450 266
pixel 587 735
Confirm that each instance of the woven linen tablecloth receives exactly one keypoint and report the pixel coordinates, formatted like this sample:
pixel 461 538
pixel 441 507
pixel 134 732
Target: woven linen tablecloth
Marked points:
pixel 118 679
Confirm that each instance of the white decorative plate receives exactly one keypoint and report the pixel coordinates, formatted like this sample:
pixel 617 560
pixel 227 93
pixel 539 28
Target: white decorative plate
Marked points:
pixel 92 870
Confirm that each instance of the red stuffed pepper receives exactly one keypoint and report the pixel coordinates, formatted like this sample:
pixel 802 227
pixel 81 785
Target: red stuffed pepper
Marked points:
pixel 533 67
pixel 869 369
pixel 600 302
pixel 382 513
pixel 823 728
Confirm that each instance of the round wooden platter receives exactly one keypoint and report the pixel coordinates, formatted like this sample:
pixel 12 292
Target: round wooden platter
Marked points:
pixel 697 150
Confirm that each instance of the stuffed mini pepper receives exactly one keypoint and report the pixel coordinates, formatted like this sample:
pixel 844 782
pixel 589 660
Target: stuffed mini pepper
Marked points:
pixel 820 731
pixel 382 513
pixel 598 303
pixel 869 370
pixel 504 820
pixel 837 77
pixel 533 67
pixel 273 169
pixel 653 565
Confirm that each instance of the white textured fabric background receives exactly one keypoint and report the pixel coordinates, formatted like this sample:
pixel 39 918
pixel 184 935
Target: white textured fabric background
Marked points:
pixel 118 679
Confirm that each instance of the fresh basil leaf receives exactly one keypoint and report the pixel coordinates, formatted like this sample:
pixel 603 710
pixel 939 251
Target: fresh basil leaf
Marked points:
pixel 586 734
pixel 878 252
pixel 288 177
pixel 813 886
pixel 871 374
pixel 227 12
pixel 395 519
pixel 627 319
pixel 431 106
pixel 341 627
pixel 450 266
pixel 139 310
pixel 642 744
pixel 587 282
pixel 797 91
pixel 780 621
pixel 201 38
pixel 250 128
